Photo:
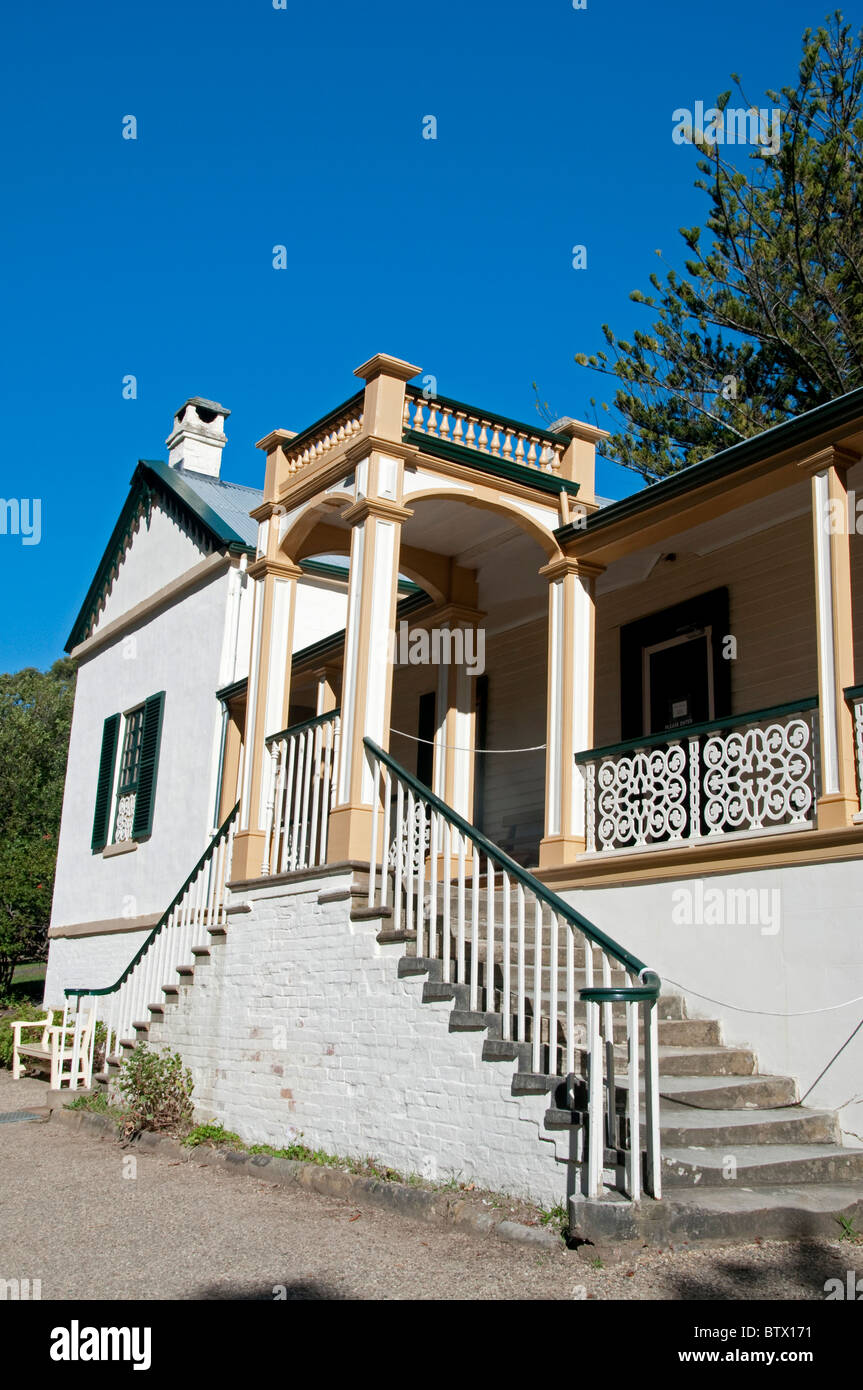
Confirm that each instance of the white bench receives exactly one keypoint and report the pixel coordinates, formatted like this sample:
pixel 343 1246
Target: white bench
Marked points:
pixel 55 1049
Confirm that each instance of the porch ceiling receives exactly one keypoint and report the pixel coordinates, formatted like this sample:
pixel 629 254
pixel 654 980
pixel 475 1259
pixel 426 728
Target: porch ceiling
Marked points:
pixel 728 529
pixel 505 558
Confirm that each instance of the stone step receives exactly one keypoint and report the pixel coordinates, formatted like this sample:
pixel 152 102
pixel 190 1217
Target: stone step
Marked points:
pixel 752 1092
pixel 685 1128
pixel 703 1061
pixel 758 1164
pixel 771 1212
pixel 727 1129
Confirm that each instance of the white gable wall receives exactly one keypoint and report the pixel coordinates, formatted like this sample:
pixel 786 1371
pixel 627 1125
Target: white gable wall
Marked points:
pixel 159 553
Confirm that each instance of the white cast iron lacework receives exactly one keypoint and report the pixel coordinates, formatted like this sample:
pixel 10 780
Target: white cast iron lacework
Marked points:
pixel 125 818
pixel 410 846
pixel 758 775
pixel 858 740
pixel 643 796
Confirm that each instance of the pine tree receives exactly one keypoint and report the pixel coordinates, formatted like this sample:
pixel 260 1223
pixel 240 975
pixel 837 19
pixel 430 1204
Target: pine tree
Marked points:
pixel 768 321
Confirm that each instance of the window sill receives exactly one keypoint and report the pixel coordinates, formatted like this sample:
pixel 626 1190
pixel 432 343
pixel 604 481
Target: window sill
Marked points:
pixel 121 847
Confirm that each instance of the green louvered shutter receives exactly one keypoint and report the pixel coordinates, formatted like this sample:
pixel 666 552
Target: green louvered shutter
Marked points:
pixel 104 786
pixel 149 766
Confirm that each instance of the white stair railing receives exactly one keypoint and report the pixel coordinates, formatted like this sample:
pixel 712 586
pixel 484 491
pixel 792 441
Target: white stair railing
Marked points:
pixel 559 984
pixel 301 771
pixel 197 909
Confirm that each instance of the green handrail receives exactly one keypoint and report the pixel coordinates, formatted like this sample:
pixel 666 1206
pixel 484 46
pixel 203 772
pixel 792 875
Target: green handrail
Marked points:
pixel 145 945
pixel 306 724
pixel 557 905
pixel 730 721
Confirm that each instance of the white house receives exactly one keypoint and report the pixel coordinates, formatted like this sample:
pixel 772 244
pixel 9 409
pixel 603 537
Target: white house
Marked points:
pixel 162 641
pixel 545 866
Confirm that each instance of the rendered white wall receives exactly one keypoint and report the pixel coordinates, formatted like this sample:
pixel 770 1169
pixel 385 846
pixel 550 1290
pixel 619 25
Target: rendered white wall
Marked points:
pixel 321 611
pixel 299 1025
pixel 813 961
pixel 89 961
pixel 159 553
pixel 179 651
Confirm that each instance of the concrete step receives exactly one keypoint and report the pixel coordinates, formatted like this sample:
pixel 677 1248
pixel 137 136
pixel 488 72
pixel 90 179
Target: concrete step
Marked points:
pixel 726 1129
pixel 760 1164
pixel 771 1212
pixel 685 1128
pixel 753 1092
pixel 702 1061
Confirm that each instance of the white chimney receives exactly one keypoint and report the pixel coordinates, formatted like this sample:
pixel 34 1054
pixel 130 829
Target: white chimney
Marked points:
pixel 197 440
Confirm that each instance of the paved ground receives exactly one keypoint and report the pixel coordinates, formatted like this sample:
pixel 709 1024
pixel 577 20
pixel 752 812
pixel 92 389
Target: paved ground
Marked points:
pixel 69 1217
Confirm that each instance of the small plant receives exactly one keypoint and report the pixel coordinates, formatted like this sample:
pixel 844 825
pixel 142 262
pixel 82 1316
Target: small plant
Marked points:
pixel 157 1092
pixel 98 1102
pixel 557 1217
pixel 215 1135
pixel 849 1230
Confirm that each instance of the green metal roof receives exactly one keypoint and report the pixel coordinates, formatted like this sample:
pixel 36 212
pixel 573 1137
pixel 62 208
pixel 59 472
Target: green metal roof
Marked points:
pixel 832 415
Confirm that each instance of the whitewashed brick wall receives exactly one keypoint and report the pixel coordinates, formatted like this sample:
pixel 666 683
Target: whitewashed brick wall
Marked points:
pixel 299 1025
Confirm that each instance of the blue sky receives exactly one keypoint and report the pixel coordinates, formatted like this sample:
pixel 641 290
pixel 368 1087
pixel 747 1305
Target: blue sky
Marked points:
pixel 303 126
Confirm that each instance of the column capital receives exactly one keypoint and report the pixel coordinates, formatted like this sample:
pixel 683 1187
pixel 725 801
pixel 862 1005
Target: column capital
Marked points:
pixel 453 613
pixel 377 507
pixel 282 569
pixel 571 564
pixel 832 456
pixel 369 444
pixel 384 365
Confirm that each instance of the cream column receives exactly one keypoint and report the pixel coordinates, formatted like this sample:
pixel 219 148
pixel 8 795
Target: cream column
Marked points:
pixel 455 723
pixel 326 699
pixel 268 692
pixel 569 727
pixel 368 671
pixel 838 801
pixel 376 519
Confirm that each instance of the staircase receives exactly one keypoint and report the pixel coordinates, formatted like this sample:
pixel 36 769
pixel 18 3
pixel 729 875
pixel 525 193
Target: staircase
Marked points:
pixel 737 1154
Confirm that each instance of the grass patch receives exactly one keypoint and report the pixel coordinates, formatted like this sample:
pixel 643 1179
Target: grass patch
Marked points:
pixel 97 1104
pixel 215 1135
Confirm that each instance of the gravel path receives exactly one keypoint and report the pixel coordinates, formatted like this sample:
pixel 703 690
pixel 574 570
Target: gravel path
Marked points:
pixel 71 1217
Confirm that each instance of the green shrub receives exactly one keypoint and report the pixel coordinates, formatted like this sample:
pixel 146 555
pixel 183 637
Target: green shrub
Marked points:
pixel 156 1091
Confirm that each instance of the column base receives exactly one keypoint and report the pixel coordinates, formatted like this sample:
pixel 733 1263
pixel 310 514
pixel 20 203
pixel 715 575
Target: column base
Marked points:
pixel 836 810
pixel 248 855
pixel 349 836
pixel 558 850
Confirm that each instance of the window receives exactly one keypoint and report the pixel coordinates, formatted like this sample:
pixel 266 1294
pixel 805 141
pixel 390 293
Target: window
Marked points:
pixel 130 767
pixel 125 794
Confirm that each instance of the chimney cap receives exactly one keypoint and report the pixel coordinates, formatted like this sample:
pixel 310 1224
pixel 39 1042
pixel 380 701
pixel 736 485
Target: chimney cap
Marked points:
pixel 197 401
